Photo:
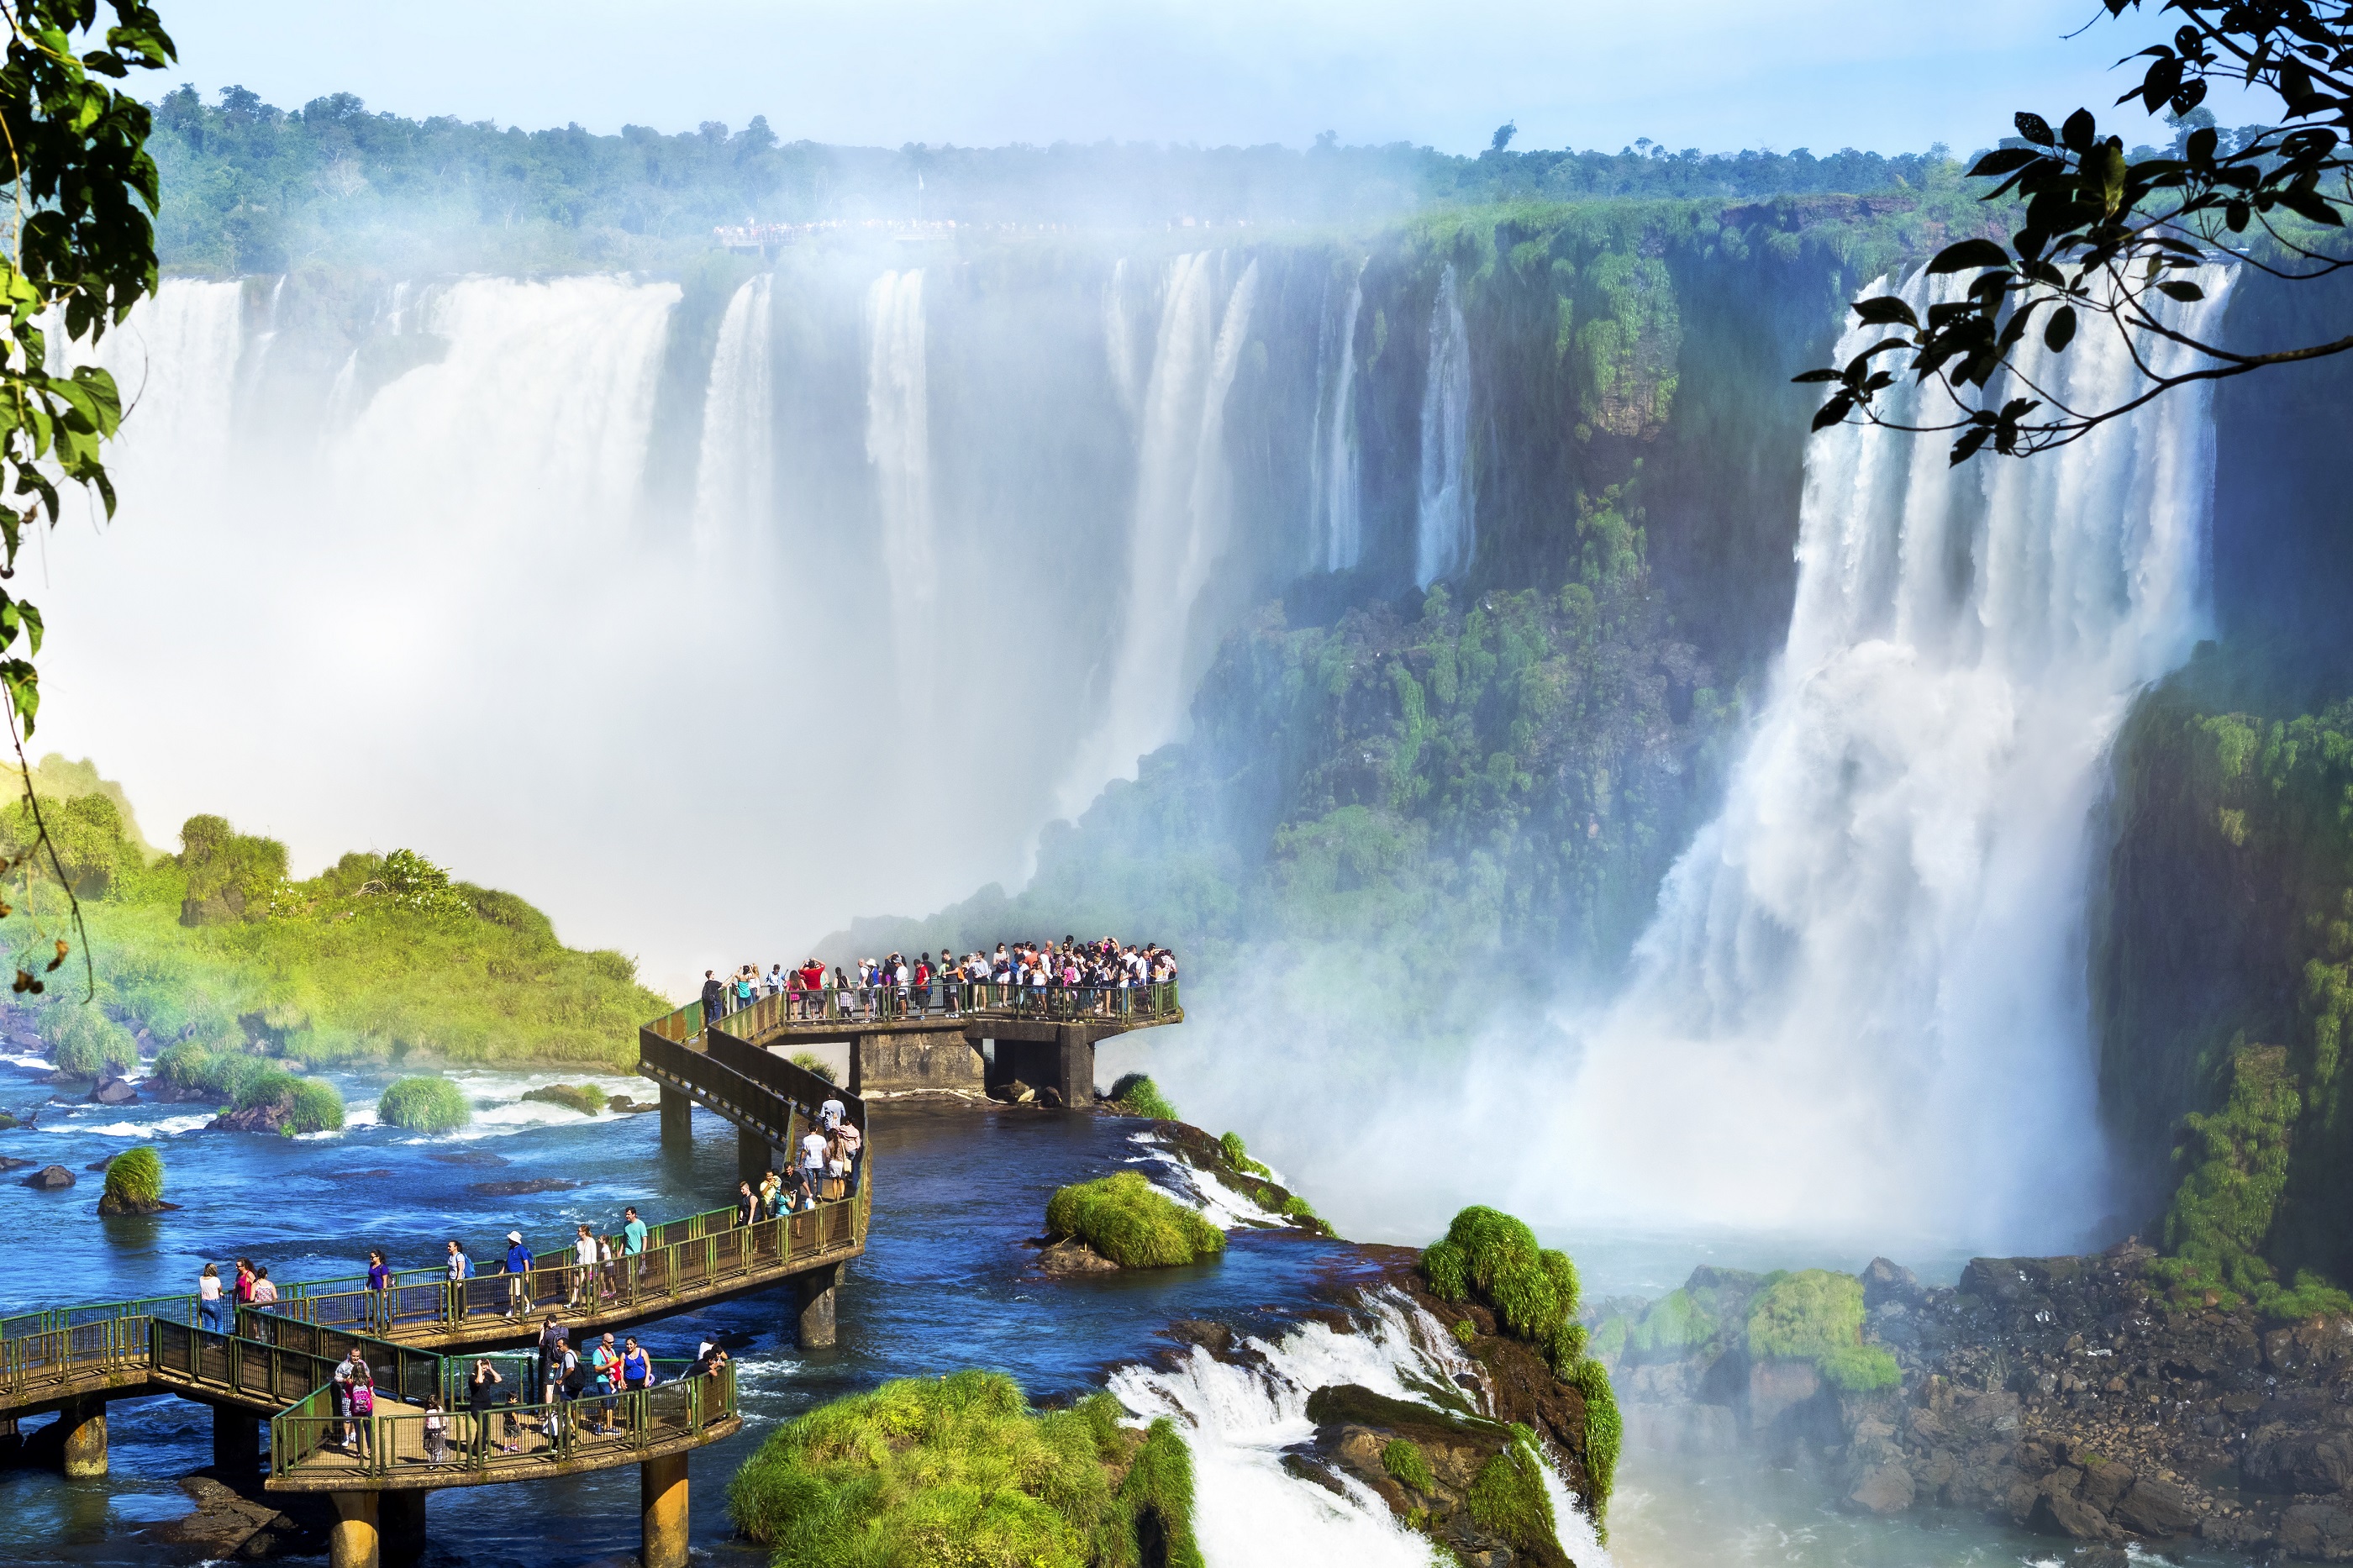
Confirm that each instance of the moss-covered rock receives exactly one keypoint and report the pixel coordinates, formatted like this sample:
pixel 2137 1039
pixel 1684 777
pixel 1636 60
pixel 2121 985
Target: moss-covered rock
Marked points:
pixel 269 1098
pixel 960 1469
pixel 583 1098
pixel 134 1183
pixel 1815 1316
pixel 424 1105
pixel 1128 1220
pixel 1136 1094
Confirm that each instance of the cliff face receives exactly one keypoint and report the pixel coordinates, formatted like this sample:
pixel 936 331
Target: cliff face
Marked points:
pixel 2222 969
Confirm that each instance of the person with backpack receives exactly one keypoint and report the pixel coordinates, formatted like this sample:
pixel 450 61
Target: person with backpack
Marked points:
pixel 363 1400
pixel 714 997
pixel 852 1144
pixel 605 1361
pixel 551 1352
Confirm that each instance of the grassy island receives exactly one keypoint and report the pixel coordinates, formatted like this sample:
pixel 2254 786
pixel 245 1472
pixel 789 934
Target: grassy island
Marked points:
pixel 424 1105
pixel 376 958
pixel 1133 1223
pixel 960 1469
pixel 135 1176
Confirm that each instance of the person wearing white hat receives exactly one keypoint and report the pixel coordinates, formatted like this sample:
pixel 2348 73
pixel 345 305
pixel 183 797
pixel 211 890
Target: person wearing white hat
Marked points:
pixel 519 1275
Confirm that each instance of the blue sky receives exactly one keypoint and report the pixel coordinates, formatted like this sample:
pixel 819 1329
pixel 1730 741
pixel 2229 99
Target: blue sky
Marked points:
pixel 1714 74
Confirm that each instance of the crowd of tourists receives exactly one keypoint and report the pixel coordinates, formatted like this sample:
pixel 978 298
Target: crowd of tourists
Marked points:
pixel 898 983
pixel 824 1168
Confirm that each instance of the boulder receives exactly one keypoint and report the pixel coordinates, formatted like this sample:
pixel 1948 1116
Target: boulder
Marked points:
pixel 270 1118
pixel 112 1090
pixel 522 1189
pixel 51 1179
pixel 100 1164
pixel 584 1097
pixel 1075 1256
pixel 1013 1092
pixel 1777 1387
pixel 1884 1281
pixel 2320 1530
pixel 1050 1097
pixel 2155 1507
pixel 8 1164
pixel 1887 1489
pixel 113 1205
pixel 2282 1458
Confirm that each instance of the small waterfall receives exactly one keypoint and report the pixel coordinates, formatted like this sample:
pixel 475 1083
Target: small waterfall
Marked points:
pixel 898 445
pixel 735 481
pixel 1336 496
pixel 1860 1008
pixel 1239 1418
pixel 1183 509
pixel 1119 338
pixel 1443 542
pixel 175 362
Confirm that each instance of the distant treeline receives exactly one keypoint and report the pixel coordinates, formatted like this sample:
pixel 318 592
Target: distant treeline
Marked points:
pixel 249 187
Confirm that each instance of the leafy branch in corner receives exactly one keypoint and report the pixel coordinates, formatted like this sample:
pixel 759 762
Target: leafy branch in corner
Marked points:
pixel 2107 239
pixel 81 253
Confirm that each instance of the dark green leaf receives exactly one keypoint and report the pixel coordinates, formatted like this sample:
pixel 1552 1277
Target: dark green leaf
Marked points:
pixel 2034 128
pixel 1967 254
pixel 1884 311
pixel 1816 375
pixel 2079 132
pixel 2185 293
pixel 2059 330
pixel 2003 160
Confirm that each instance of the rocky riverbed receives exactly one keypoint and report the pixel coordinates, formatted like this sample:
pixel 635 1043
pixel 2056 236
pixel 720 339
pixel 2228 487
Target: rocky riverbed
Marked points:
pixel 2065 1394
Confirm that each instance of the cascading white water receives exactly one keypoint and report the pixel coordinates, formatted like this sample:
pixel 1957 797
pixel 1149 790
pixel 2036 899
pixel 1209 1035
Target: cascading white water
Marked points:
pixel 1238 1420
pixel 735 473
pixel 1442 533
pixel 1184 507
pixel 899 446
pixel 175 362
pixel 1860 1009
pixel 1119 338
pixel 1336 496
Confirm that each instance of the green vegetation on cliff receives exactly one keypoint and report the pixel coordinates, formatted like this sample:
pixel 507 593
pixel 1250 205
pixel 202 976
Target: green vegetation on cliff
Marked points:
pixel 424 1105
pixel 377 957
pixel 959 1471
pixel 1136 1094
pixel 2223 977
pixel 1489 1256
pixel 1132 1222
pixel 1815 1316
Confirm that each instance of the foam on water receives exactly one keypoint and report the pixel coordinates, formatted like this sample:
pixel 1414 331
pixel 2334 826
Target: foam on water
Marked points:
pixel 168 1127
pixel 1198 1190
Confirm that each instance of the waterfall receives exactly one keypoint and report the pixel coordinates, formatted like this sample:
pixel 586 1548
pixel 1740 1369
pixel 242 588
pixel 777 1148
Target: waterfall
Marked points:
pixel 898 445
pixel 1183 510
pixel 735 473
pixel 1443 542
pixel 1239 1415
pixel 175 362
pixel 1860 1009
pixel 1119 338
pixel 1336 496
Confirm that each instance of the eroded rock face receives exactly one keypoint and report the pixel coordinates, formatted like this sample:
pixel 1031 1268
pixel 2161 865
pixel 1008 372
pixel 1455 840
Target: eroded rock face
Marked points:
pixel 228 1526
pixel 113 1205
pixel 2060 1393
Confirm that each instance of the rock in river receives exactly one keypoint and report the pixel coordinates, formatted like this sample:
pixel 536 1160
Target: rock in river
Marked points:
pixel 50 1178
pixel 112 1090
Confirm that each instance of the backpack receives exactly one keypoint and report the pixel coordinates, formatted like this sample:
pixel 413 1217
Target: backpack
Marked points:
pixel 363 1399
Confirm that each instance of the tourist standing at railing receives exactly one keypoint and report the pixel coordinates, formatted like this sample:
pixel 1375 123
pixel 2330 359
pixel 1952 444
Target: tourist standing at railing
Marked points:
pixel 608 1270
pixel 633 1246
pixel 744 988
pixel 852 1145
pixel 348 1372
pixel 796 1197
pixel 636 1372
pixel 437 1432
pixel 605 1361
pixel 265 1294
pixel 210 1309
pixel 519 1275
pixel 242 1291
pixel 461 1266
pixel 363 1412
pixel 482 1395
pixel 551 1352
pixel 714 996
pixel 831 1113
pixel 747 1203
pixel 770 1188
pixel 583 1269
pixel 813 1159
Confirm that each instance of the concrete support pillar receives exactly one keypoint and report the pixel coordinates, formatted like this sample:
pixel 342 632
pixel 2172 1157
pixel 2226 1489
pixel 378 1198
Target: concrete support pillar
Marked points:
pixel 237 1442
pixel 662 1496
pixel 400 1519
pixel 1074 1064
pixel 354 1540
pixel 754 1156
pixel 815 1291
pixel 677 1120
pixel 83 1424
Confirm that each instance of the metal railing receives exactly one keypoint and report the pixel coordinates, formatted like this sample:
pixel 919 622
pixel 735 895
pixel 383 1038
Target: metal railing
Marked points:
pixel 782 1011
pixel 309 1440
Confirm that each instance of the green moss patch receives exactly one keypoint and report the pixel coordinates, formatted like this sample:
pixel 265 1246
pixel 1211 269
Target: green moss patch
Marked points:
pixel 85 1043
pixel 1402 1458
pixel 1133 1223
pixel 1508 1498
pixel 424 1105
pixel 959 1471
pixel 1136 1094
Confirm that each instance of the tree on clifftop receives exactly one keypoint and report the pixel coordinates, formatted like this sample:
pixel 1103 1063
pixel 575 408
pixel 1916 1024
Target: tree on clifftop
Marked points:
pixel 2110 239
pixel 81 253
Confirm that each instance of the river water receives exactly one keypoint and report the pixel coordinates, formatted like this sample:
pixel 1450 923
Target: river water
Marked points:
pixel 946 1284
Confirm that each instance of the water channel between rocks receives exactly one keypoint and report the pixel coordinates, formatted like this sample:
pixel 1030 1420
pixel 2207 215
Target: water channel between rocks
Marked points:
pixel 945 1284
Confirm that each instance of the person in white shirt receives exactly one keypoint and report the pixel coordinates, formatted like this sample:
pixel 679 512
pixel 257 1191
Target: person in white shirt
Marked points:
pixel 583 1269
pixel 813 1159
pixel 832 1112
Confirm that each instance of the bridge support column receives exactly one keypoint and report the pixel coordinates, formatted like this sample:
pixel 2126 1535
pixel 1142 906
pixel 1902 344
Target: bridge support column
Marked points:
pixel 677 1120
pixel 237 1442
pixel 662 1496
pixel 354 1540
pixel 1074 1063
pixel 83 1424
pixel 400 1520
pixel 754 1155
pixel 814 1290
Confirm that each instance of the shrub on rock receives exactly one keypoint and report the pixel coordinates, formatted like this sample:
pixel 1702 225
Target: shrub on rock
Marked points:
pixel 1136 1094
pixel 583 1098
pixel 424 1105
pixel 1133 1223
pixel 810 1061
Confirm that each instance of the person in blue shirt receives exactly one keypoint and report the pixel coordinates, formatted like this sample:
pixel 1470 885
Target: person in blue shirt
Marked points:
pixel 518 1271
pixel 633 1246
